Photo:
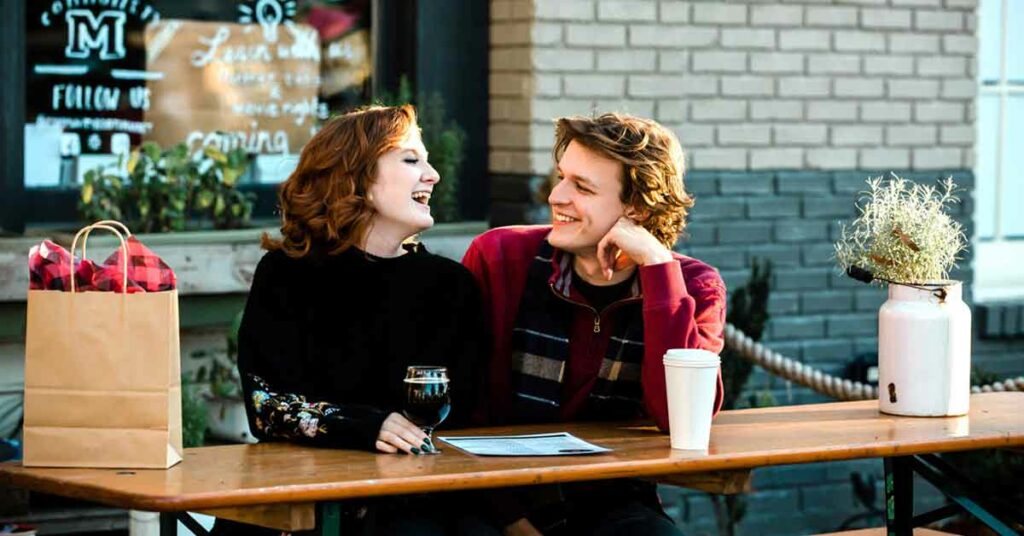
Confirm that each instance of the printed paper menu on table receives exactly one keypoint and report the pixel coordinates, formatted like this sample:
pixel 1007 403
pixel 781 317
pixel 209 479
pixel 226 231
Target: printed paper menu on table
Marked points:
pixel 557 444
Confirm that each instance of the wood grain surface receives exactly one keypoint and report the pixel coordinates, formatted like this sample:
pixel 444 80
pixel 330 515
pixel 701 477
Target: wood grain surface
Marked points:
pixel 246 475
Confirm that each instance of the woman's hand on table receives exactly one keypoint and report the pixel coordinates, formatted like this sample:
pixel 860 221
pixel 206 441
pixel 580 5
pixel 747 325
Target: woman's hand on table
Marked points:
pixel 399 434
pixel 522 527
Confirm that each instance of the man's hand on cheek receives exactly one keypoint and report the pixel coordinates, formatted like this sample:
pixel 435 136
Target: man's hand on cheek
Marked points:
pixel 635 244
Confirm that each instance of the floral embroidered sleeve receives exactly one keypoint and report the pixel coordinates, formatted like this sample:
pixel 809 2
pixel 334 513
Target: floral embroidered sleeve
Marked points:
pixel 289 416
pixel 274 388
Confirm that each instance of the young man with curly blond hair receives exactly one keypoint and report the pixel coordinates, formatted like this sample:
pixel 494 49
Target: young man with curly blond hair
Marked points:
pixel 583 310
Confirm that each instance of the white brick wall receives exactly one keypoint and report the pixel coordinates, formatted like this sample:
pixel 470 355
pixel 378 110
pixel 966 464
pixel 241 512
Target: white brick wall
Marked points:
pixel 746 84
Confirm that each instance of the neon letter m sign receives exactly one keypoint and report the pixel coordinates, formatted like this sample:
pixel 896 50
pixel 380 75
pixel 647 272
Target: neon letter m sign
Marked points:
pixel 87 32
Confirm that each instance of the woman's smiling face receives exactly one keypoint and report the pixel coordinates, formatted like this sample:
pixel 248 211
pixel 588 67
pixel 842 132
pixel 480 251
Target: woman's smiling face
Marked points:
pixel 401 190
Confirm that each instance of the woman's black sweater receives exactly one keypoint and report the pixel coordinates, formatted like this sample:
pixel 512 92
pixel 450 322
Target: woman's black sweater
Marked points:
pixel 325 341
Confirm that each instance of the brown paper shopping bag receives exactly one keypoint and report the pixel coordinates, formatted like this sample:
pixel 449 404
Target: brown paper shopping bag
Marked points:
pixel 102 375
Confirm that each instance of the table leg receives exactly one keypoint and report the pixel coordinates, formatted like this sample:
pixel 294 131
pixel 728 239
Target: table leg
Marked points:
pixel 168 524
pixel 329 518
pixel 967 495
pixel 899 496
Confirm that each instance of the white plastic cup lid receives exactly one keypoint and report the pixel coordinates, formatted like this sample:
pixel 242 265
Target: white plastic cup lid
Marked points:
pixel 691 357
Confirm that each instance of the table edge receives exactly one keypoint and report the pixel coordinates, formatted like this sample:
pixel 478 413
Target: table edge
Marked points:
pixel 488 480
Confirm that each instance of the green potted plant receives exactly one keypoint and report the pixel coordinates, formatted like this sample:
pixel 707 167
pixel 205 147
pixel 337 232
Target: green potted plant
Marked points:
pixel 905 239
pixel 161 190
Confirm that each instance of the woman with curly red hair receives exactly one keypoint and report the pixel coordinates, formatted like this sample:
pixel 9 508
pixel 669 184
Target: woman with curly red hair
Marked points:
pixel 343 302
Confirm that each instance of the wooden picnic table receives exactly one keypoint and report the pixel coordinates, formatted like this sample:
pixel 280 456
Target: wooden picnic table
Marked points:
pixel 291 487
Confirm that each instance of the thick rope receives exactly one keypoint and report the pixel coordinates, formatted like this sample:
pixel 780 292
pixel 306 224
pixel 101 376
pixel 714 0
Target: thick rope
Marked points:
pixel 821 382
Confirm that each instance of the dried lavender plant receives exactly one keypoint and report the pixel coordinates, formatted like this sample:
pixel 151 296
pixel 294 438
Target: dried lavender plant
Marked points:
pixel 903 232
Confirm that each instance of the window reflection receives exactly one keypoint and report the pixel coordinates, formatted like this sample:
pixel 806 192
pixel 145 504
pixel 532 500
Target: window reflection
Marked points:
pixel 259 74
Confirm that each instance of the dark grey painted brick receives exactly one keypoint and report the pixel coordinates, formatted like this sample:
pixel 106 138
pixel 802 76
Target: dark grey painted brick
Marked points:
pixel 734 278
pixel 850 182
pixel 1013 321
pixel 783 303
pixel 801 230
pixel 773 207
pixel 838 207
pixel 797 327
pixel 968 230
pixel 836 496
pixel 841 280
pixel 990 320
pixel 781 255
pixel 796 395
pixel 818 254
pixel 698 507
pixel 831 367
pixel 771 502
pixel 699 183
pixel 841 470
pixel 1005 365
pixel 965 275
pixel 926 497
pixel 835 229
pixel 964 207
pixel 718 208
pixel 745 183
pixel 826 301
pixel 924 177
pixel 803 182
pixel 702 234
pixel 869 299
pixel 853 324
pixel 801 279
pixel 964 178
pixel 792 349
pixel 789 475
pixel 865 345
pixel 827 350
pixel 743 233
pixel 721 257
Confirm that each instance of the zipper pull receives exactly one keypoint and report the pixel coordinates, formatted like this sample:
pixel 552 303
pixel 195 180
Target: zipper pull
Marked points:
pixel 597 323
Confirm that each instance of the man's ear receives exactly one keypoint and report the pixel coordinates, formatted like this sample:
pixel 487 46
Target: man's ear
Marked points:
pixel 637 215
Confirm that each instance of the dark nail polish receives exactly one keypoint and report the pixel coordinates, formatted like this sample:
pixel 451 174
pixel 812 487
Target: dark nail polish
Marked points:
pixel 415 451
pixel 426 448
pixel 428 441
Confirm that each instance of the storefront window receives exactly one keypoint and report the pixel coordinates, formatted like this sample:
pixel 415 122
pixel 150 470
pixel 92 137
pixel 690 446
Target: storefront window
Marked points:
pixel 103 76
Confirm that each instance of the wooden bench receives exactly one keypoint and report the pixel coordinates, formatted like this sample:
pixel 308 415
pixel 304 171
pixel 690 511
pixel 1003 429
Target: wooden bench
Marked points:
pixel 880 531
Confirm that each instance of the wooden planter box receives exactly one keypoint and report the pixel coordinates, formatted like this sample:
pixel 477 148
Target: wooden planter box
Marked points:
pixel 206 262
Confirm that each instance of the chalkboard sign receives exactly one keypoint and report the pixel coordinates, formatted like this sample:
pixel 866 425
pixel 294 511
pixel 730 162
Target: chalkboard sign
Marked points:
pixel 233 85
pixel 86 69
pixel 105 75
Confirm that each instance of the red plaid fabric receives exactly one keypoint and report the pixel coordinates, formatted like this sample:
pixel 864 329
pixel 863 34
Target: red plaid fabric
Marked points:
pixel 49 266
pixel 146 271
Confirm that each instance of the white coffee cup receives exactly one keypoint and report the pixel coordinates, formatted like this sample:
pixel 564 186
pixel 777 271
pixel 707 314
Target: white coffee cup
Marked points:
pixel 691 378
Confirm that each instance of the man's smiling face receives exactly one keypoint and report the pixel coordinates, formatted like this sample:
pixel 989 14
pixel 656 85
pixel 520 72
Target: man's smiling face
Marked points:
pixel 585 200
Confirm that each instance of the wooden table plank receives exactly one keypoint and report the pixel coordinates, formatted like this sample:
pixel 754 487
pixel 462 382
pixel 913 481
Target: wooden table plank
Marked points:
pixel 242 475
pixel 287 517
pixel 718 482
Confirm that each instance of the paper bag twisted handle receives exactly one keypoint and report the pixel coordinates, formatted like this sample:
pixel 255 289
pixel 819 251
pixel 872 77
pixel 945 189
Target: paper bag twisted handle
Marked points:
pixel 115 223
pixel 84 234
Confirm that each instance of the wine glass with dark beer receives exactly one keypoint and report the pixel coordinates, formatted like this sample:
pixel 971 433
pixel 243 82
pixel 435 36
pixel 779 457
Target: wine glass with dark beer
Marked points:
pixel 427 401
